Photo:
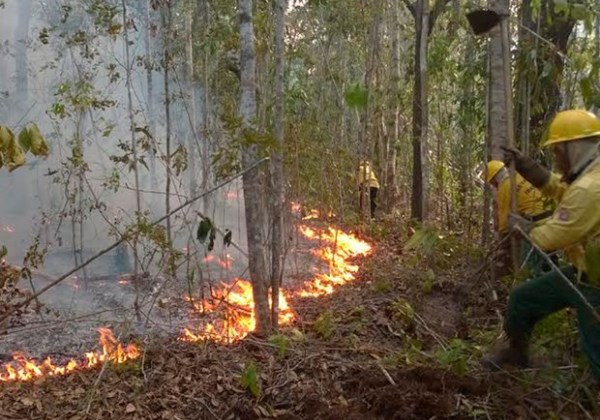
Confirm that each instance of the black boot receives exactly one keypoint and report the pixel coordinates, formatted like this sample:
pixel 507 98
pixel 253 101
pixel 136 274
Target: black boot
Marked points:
pixel 516 355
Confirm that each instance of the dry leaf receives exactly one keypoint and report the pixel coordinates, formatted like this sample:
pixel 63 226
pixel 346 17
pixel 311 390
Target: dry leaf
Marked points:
pixel 130 408
pixel 27 402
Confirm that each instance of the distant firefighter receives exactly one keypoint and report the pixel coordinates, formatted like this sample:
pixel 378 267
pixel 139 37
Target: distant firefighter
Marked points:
pixel 367 179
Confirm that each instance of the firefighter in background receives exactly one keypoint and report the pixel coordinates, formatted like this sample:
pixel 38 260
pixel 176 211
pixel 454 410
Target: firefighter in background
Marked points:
pixel 368 182
pixel 530 204
pixel 574 229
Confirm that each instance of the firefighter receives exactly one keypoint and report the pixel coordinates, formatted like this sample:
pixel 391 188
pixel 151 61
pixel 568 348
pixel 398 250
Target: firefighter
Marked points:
pixel 530 204
pixel 573 228
pixel 367 179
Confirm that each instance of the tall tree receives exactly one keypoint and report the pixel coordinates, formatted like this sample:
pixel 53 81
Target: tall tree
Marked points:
pixel 424 22
pixel 278 199
pixel 543 39
pixel 253 180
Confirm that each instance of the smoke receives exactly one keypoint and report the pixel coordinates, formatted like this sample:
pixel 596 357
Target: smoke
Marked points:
pixel 73 208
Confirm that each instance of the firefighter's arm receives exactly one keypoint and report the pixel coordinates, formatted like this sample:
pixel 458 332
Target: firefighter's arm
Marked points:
pixel 554 188
pixel 576 215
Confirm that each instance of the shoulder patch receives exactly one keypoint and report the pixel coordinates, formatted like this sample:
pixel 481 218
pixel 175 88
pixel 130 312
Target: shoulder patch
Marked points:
pixel 562 214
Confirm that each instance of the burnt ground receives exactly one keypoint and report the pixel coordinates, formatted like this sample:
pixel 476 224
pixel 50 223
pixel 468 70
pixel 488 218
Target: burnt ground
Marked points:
pixel 402 342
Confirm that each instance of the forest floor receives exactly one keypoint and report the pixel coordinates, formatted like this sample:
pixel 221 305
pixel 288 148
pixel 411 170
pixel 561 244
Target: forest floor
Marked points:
pixel 403 341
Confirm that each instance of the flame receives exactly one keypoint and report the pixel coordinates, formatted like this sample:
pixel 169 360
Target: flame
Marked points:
pixel 296 207
pixel 25 369
pixel 339 249
pixel 313 214
pixel 234 307
pixel 123 282
pixel 231 195
pixel 226 262
pixel 231 309
pixel 208 258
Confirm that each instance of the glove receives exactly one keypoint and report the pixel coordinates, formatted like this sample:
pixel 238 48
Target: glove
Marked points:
pixel 528 168
pixel 514 220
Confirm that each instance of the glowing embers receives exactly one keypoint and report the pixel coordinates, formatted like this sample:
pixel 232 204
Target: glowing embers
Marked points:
pixel 24 369
pixel 231 310
pixel 339 247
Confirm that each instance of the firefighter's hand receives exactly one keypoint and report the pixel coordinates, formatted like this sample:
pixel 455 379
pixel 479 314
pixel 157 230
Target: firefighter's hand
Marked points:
pixel 516 222
pixel 511 154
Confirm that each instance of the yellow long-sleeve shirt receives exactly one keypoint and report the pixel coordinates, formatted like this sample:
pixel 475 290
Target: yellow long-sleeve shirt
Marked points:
pixel 530 201
pixel 576 221
pixel 365 172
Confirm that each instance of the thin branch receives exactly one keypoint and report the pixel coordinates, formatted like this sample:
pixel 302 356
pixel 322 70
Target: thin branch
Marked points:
pixel 114 245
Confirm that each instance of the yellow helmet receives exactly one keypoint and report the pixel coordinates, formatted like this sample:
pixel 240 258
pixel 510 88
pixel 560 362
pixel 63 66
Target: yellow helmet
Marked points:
pixel 493 167
pixel 573 124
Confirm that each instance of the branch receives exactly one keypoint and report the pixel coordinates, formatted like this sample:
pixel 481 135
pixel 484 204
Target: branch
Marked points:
pixel 116 244
pixel 438 9
pixel 411 8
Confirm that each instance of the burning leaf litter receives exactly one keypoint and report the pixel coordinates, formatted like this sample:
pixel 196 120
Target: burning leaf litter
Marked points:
pixel 234 306
pixel 24 369
pixel 231 307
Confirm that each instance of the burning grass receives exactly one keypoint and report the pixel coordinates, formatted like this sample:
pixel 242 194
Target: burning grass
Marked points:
pixel 25 369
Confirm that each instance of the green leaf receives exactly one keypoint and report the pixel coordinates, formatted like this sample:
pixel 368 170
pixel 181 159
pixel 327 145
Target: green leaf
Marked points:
pixel 580 12
pixel 38 144
pixel 204 229
pixel 3 251
pixel 357 96
pixel 561 6
pixel 5 138
pixel 250 381
pixel 25 139
pixel 587 90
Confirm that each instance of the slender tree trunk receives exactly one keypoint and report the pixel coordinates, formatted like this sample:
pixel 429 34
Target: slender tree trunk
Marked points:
pixel 134 151
pixel 278 199
pixel 205 148
pixel 166 21
pixel 21 56
pixel 150 94
pixel 394 133
pixel 189 53
pixel 253 180
pixel 420 114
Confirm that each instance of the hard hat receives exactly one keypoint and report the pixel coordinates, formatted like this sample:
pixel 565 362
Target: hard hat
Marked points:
pixel 573 124
pixel 493 167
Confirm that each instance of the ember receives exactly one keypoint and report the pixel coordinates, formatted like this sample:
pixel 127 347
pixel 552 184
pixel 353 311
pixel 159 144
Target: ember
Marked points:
pixel 24 369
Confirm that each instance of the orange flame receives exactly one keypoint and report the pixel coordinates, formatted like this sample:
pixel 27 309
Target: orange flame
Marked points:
pixel 226 262
pixel 24 369
pixel 234 307
pixel 313 214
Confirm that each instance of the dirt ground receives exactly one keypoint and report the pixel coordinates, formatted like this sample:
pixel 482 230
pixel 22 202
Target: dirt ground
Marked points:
pixel 401 342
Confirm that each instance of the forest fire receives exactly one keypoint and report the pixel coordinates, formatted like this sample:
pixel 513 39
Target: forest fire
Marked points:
pixel 234 304
pixel 339 248
pixel 24 369
pixel 235 307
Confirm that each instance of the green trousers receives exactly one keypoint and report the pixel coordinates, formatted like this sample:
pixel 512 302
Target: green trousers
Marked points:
pixel 535 264
pixel 533 300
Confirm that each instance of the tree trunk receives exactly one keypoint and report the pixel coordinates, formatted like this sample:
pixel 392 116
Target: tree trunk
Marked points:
pixel 278 199
pixel 166 23
pixel 192 139
pixel 253 180
pixel 21 41
pixel 394 132
pixel 150 95
pixel 542 73
pixel 498 112
pixel 134 151
pixel 420 114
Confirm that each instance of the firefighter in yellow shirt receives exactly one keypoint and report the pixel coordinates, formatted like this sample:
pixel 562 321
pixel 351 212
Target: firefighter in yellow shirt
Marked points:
pixel 368 180
pixel 574 229
pixel 530 204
